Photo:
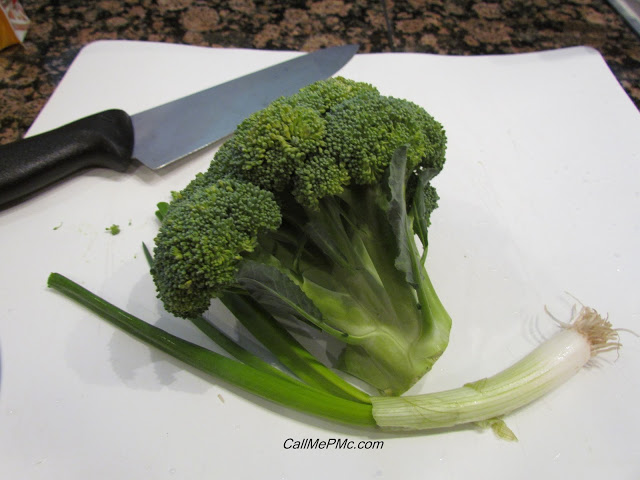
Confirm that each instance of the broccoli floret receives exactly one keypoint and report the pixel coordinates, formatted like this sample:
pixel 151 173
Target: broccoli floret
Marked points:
pixel 326 95
pixel 364 131
pixel 311 210
pixel 203 236
pixel 271 144
pixel 113 229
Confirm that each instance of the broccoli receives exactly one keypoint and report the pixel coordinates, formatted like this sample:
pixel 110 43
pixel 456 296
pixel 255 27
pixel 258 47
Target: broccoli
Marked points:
pixel 311 212
pixel 113 229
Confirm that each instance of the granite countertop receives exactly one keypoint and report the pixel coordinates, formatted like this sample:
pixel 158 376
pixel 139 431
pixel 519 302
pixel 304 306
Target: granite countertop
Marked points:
pixel 30 72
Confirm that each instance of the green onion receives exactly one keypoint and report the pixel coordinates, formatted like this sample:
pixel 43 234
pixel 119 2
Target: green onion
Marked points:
pixel 549 365
pixel 288 350
pixel 266 385
pixel 482 402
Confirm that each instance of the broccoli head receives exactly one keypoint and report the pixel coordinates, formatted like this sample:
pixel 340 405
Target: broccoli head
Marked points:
pixel 268 148
pixel 363 133
pixel 204 234
pixel 312 210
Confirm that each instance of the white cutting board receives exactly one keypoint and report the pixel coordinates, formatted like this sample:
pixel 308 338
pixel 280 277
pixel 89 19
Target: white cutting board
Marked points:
pixel 540 197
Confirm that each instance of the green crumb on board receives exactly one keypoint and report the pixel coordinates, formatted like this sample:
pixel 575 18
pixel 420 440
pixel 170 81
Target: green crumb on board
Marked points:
pixel 58 226
pixel 113 229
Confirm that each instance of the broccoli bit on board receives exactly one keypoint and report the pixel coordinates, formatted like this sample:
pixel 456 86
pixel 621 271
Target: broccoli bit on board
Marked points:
pixel 113 229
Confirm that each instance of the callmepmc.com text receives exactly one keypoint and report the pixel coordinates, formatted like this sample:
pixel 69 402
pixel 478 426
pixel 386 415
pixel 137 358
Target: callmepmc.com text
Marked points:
pixel 331 444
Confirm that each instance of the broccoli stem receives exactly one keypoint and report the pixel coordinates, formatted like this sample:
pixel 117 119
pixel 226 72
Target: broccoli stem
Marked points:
pixel 266 385
pixel 396 327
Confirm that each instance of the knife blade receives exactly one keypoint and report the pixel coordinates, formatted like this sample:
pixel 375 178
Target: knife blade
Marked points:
pixel 158 136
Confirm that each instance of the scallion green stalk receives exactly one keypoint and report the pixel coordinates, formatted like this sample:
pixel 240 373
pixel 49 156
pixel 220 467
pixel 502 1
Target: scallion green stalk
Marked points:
pixel 294 395
pixel 288 350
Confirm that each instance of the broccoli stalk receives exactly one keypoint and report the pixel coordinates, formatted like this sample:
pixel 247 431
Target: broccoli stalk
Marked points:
pixel 355 258
pixel 312 209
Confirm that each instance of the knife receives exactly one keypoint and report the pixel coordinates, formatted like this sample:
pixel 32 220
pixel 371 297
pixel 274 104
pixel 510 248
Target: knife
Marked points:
pixel 158 136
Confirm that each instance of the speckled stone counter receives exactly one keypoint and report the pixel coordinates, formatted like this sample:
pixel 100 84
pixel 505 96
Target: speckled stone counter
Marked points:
pixel 30 72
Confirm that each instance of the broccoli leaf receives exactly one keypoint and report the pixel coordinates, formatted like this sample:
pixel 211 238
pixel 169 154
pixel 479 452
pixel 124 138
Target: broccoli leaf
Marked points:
pixel 279 295
pixel 397 214
pixel 161 211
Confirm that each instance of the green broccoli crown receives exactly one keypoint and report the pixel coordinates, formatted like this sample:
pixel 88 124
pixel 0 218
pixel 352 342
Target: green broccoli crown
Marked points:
pixel 324 96
pixel 363 132
pixel 204 233
pixel 329 135
pixel 270 145
pixel 313 144
pixel 279 148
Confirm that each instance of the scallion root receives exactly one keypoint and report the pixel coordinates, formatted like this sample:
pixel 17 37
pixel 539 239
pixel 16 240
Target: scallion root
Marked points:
pixel 596 329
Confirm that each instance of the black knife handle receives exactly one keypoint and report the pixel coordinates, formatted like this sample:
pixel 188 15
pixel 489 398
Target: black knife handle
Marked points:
pixel 101 140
